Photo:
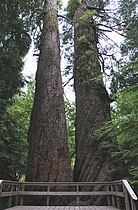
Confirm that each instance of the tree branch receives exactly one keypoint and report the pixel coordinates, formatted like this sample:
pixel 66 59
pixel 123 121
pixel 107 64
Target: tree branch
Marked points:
pixel 62 16
pixel 112 29
pixel 68 81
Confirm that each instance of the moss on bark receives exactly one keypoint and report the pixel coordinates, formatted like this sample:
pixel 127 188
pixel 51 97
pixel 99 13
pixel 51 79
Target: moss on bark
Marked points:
pixel 92 105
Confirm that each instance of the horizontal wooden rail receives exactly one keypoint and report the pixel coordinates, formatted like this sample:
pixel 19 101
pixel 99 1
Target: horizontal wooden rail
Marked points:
pixel 119 194
pixel 114 191
pixel 9 194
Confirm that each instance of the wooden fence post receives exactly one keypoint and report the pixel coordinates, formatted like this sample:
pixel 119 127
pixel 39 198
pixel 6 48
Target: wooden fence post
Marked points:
pixel 77 194
pixel 17 196
pixel 10 198
pixel 133 205
pixel 117 198
pixel 48 189
pixel 127 206
pixel 108 197
pixel 21 197
pixel 113 198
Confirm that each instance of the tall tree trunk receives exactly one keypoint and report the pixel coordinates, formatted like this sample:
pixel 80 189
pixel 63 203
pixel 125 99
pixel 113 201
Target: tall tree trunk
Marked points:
pixel 48 146
pixel 92 101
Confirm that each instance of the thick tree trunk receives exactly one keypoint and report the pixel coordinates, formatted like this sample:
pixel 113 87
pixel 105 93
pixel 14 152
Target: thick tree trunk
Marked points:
pixel 48 146
pixel 92 101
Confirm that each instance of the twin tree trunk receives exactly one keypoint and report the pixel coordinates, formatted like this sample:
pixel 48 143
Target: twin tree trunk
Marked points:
pixel 48 146
pixel 92 101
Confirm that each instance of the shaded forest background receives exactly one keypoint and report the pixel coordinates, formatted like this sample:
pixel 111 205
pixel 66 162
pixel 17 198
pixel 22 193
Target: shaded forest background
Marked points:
pixel 20 23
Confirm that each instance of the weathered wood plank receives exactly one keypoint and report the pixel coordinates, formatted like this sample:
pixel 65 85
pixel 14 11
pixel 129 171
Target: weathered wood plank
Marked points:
pixel 25 193
pixel 62 208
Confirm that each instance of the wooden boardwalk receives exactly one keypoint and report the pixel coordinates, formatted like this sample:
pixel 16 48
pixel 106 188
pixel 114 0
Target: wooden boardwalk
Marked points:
pixel 117 194
pixel 62 208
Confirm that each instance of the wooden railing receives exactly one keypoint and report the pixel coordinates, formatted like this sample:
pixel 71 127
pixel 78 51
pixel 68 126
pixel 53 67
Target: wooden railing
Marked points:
pixel 118 193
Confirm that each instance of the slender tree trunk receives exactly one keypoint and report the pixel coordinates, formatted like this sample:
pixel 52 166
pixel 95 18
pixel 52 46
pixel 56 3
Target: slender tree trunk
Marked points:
pixel 48 146
pixel 92 101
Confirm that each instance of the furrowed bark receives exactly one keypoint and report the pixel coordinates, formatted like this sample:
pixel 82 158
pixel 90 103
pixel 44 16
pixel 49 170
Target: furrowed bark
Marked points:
pixel 92 101
pixel 48 147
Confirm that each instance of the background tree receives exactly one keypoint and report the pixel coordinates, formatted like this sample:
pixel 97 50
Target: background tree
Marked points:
pixel 16 19
pixel 48 146
pixel 124 123
pixel 15 42
pixel 129 15
pixel 14 125
pixel 125 88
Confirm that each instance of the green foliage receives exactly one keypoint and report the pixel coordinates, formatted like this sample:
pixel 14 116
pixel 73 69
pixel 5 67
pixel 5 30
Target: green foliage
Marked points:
pixel 72 6
pixel 129 16
pixel 7 163
pixel 125 123
pixel 17 20
pixel 59 3
pixel 70 116
pixel 14 43
pixel 126 77
pixel 125 110
pixel 88 16
pixel 10 79
pixel 129 28
pixel 97 3
pixel 82 39
pixel 14 125
pixel 123 128
pixel 97 79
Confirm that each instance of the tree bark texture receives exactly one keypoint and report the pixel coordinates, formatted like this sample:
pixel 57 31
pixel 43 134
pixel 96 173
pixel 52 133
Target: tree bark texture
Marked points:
pixel 48 147
pixel 92 101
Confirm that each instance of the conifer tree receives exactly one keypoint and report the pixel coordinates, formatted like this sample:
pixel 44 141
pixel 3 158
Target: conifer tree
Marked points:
pixel 48 146
pixel 92 100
